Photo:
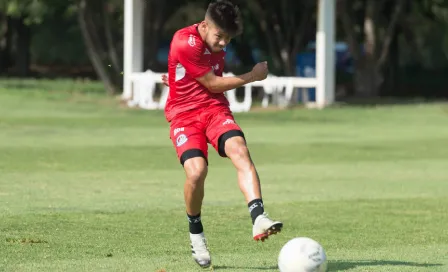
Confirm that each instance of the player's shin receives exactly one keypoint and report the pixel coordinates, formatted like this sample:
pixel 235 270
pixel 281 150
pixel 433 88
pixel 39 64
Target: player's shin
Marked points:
pixel 194 194
pixel 248 179
pixel 196 171
pixel 249 184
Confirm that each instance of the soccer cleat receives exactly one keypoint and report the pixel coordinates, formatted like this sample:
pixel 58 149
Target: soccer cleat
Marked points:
pixel 264 227
pixel 199 250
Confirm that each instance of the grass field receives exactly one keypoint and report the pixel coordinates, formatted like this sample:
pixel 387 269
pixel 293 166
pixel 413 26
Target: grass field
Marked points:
pixel 87 185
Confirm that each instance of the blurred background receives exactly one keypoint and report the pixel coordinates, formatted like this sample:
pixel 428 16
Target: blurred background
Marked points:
pixel 89 183
pixel 383 48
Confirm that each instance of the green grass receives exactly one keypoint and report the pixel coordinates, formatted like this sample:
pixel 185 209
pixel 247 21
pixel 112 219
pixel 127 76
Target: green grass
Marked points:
pixel 87 185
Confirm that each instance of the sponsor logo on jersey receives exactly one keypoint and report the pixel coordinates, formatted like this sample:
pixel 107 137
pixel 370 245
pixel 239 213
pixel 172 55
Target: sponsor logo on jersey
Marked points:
pixel 177 130
pixel 228 122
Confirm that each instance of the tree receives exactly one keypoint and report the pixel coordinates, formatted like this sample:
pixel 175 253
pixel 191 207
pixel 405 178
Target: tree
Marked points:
pixel 370 46
pixel 283 28
pixel 162 19
pixel 94 18
pixel 16 18
pixel 104 43
pixel 5 42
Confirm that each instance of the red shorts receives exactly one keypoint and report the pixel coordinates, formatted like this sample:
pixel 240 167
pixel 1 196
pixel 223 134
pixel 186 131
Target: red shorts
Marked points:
pixel 191 131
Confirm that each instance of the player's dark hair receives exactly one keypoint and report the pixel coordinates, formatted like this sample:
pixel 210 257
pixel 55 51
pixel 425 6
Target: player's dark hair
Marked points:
pixel 226 16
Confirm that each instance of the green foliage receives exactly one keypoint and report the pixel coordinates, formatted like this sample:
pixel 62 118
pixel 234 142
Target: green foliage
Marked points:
pixel 429 43
pixel 58 39
pixel 34 11
pixel 184 15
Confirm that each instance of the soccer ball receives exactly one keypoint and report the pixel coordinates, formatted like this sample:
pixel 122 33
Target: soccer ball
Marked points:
pixel 302 254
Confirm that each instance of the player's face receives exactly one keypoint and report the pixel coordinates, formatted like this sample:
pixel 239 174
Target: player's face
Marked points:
pixel 216 39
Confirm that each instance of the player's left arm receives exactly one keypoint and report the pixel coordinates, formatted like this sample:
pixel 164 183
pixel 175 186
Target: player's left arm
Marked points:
pixel 218 84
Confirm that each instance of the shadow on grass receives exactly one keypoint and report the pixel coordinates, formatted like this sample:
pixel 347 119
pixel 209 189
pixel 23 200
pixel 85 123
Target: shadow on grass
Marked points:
pixel 336 265
pixel 347 265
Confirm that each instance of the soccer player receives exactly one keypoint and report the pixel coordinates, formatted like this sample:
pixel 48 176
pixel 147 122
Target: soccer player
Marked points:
pixel 199 113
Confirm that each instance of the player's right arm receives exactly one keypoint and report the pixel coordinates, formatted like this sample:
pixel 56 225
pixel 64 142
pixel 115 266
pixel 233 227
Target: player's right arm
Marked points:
pixel 218 84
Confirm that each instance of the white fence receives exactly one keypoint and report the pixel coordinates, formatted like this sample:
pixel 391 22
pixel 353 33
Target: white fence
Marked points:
pixel 139 86
pixel 277 90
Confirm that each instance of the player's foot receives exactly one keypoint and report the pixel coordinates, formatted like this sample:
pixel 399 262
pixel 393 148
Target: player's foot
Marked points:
pixel 264 227
pixel 199 250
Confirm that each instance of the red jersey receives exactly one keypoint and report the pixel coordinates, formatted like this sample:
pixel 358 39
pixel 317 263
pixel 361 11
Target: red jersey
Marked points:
pixel 190 58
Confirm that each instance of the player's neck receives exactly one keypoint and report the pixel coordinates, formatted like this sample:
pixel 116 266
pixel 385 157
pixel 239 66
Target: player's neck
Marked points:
pixel 201 32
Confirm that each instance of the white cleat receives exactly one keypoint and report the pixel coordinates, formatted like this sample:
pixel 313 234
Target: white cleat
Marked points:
pixel 199 250
pixel 264 227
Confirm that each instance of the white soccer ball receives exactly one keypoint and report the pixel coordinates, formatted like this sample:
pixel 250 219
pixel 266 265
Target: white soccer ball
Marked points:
pixel 302 254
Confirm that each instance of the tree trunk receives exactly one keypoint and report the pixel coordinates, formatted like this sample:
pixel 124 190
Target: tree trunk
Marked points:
pixel 366 78
pixel 265 30
pixel 92 51
pixel 285 27
pixel 391 68
pixel 23 48
pixel 6 44
pixel 370 66
pixel 112 50
pixel 156 13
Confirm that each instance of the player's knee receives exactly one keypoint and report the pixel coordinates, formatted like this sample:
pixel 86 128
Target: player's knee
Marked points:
pixel 196 170
pixel 239 152
pixel 236 149
pixel 231 143
pixel 197 176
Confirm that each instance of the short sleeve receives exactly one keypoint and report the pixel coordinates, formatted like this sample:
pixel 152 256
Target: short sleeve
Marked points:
pixel 191 56
pixel 217 60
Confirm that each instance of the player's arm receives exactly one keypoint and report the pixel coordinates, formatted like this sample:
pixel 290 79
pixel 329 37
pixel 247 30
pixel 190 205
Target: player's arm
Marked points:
pixel 165 80
pixel 197 65
pixel 218 84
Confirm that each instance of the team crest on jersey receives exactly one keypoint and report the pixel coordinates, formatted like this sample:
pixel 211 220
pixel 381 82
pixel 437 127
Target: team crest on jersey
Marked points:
pixel 192 40
pixel 181 139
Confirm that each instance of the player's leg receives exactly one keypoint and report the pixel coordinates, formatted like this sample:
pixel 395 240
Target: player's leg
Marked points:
pixel 191 148
pixel 228 139
pixel 234 147
pixel 232 144
pixel 196 172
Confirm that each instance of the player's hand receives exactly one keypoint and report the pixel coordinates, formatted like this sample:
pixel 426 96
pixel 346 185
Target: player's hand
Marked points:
pixel 165 80
pixel 260 71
